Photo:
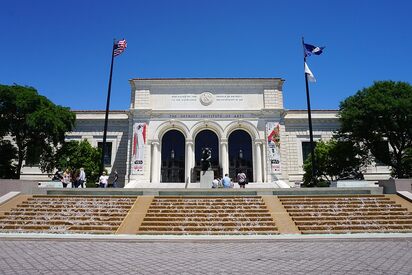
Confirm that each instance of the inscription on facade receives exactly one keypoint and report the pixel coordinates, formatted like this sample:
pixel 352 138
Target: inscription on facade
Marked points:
pixel 183 98
pixel 207 116
pixel 235 98
pixel 206 98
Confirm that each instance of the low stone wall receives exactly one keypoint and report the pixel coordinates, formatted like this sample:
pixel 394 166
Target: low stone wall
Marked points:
pixel 391 186
pixel 23 186
pixel 214 192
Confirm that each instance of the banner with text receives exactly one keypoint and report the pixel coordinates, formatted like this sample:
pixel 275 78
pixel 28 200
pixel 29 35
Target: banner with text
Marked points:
pixel 273 140
pixel 139 141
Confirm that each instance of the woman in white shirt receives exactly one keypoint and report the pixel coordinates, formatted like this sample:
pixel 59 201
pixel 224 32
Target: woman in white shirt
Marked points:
pixel 103 180
pixel 66 178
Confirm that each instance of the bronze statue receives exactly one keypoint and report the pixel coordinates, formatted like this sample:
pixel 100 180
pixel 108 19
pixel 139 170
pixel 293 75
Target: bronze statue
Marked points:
pixel 205 160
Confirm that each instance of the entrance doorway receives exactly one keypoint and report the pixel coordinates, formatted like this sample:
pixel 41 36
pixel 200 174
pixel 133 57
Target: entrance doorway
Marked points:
pixel 209 139
pixel 173 157
pixel 240 154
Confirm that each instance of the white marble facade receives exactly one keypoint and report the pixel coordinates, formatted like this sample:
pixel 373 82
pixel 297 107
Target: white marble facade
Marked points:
pixel 191 106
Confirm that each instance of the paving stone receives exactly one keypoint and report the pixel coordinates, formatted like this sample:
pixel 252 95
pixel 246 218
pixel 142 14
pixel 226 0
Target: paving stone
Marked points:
pixel 339 256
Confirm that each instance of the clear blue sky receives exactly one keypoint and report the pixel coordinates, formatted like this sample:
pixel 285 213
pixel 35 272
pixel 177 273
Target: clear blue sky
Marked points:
pixel 63 47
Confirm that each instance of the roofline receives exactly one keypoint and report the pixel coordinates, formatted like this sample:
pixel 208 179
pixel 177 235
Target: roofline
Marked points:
pixel 100 111
pixel 312 110
pixel 211 78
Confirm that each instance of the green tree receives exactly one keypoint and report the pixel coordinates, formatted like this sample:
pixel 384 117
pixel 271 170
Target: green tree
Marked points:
pixel 7 166
pixel 335 160
pixel 74 155
pixel 35 124
pixel 379 116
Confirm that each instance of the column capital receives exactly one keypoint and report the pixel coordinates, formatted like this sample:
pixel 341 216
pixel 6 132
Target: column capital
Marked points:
pixel 189 142
pixel 155 142
pixel 258 142
pixel 224 141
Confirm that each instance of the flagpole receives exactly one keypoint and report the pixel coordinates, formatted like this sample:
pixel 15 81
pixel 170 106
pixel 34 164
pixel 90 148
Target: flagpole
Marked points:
pixel 312 147
pixel 106 119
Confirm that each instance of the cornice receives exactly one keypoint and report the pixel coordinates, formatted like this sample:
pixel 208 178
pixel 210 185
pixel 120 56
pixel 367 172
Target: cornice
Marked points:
pixel 265 83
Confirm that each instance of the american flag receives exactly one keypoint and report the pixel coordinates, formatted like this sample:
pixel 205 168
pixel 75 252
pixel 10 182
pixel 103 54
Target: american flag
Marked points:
pixel 119 47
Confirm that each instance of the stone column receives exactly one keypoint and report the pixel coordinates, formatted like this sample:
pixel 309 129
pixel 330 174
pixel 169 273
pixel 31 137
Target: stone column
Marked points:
pixel 155 162
pixel 225 156
pixel 189 161
pixel 258 161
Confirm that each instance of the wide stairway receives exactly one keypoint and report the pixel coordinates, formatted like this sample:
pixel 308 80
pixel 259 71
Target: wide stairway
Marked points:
pixel 347 214
pixel 67 214
pixel 208 215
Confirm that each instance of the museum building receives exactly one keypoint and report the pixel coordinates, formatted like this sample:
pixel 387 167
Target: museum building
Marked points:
pixel 159 140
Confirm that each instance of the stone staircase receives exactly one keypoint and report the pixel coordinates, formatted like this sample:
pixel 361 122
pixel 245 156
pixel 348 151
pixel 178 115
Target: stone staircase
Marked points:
pixel 347 214
pixel 208 215
pixel 67 214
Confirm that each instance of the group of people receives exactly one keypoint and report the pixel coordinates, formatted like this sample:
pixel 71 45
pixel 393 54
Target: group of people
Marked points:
pixel 104 180
pixel 75 177
pixel 226 181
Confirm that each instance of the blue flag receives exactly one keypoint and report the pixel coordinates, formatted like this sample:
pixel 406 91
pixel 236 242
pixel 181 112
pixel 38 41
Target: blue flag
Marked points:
pixel 310 49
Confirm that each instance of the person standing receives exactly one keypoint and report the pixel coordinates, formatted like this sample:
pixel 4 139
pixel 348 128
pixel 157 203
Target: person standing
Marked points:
pixel 215 183
pixel 227 183
pixel 103 180
pixel 75 178
pixel 82 178
pixel 115 179
pixel 66 178
pixel 241 179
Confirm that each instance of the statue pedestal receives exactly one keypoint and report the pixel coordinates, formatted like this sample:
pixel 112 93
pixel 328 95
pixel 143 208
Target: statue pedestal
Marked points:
pixel 206 178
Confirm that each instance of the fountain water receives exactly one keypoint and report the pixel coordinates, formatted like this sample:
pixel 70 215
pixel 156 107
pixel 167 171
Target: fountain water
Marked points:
pixel 349 214
pixel 208 215
pixel 67 214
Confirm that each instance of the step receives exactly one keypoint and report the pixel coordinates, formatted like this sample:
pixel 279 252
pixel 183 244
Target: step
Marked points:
pixel 353 222
pixel 203 219
pixel 205 232
pixel 327 210
pixel 205 211
pixel 345 214
pixel 206 203
pixel 209 228
pixel 208 223
pixel 58 218
pixel 49 231
pixel 59 222
pixel 198 207
pixel 69 210
pixel 343 206
pixel 356 231
pixel 57 206
pixel 334 200
pixel 337 202
pixel 308 218
pixel 354 227
pixel 65 227
pixel 208 214
pixel 67 213
pixel 333 196
pixel 66 203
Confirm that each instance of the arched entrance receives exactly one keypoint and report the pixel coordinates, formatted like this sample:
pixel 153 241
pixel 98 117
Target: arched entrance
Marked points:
pixel 206 138
pixel 173 157
pixel 240 154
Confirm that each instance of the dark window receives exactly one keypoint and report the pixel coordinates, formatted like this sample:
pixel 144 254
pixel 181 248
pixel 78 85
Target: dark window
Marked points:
pixel 306 149
pixel 173 157
pixel 240 154
pixel 107 153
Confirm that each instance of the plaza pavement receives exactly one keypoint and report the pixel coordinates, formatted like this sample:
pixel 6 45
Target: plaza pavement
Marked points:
pixel 333 254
